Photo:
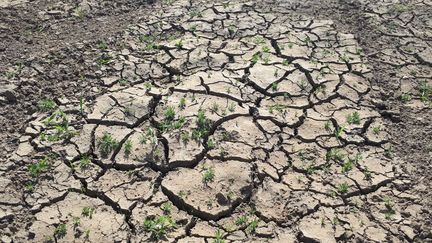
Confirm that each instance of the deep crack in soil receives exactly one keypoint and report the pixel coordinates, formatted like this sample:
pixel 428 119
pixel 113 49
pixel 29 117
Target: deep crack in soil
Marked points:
pixel 222 121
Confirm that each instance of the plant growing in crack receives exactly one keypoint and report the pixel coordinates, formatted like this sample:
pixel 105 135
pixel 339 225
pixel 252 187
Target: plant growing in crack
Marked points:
pixel 219 237
pixel 327 126
pixel 226 136
pixel 60 123
pixel 30 186
pixel 179 44
pixel 347 165
pixel 183 194
pixel 232 29
pixel 321 89
pixel 128 147
pixel 389 152
pixel 277 107
pixel 41 166
pixel 159 227
pixel 323 222
pixel 252 226
pixel 123 82
pixel 425 91
pixel 255 57
pixel 303 85
pixel 203 126
pixel 214 108
pixel 405 97
pixel 311 168
pixel 266 59
pixel 193 28
pixel 367 174
pixel 182 103
pixel 102 45
pixel 231 107
pixel 87 234
pixel 167 207
pixel 157 155
pixel 210 203
pixel 376 130
pixel 14 73
pixel 339 131
pixel 343 188
pixel 149 135
pixel 259 40
pixel 334 154
pixel 208 176
pixel 88 212
pixel 185 137
pixel 76 221
pixel 211 144
pixel 106 144
pixel 389 211
pixel 353 118
pixel 195 13
pixel 149 41
pixel 60 231
pixel 85 162
pixel 129 111
pixel 104 60
pixel 46 105
pixel 169 123
pixel 79 13
pixel 285 62
pixel 275 86
pixel 81 105
pixel 241 221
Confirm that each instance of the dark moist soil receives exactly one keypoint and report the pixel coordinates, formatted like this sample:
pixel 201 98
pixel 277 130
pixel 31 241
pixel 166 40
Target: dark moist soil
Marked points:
pixel 60 41
pixel 410 128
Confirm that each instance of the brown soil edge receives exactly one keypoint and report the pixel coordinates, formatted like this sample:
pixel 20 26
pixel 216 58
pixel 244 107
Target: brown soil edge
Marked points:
pixel 409 128
pixel 410 133
pixel 25 36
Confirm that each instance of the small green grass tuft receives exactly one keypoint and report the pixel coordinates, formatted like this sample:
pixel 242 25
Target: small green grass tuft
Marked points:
pixel 128 147
pixel 106 144
pixel 60 231
pixel 353 118
pixel 218 238
pixel 159 227
pixel 425 91
pixel 88 212
pixel 41 166
pixel 170 122
pixel 203 126
pixel 343 188
pixel 242 220
pixel 85 162
pixel 208 176
pixel 46 105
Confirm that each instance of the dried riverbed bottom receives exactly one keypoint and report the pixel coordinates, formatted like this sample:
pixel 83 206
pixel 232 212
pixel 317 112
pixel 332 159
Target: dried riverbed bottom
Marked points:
pixel 229 122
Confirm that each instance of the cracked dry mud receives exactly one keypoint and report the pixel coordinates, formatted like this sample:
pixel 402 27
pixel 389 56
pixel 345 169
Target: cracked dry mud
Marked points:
pixel 247 121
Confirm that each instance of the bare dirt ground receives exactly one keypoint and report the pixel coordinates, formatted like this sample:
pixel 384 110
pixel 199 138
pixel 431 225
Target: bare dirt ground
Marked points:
pixel 216 121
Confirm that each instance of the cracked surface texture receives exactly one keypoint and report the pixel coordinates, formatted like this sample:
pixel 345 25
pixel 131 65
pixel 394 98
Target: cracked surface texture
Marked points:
pixel 242 121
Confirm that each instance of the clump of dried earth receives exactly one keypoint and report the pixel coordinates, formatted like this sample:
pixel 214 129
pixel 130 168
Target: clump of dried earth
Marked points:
pixel 220 121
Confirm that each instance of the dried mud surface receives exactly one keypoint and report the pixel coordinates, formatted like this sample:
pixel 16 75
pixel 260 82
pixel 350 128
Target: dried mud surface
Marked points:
pixel 197 121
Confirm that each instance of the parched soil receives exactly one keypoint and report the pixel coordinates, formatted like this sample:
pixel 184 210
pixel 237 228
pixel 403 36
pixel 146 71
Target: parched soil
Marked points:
pixel 216 121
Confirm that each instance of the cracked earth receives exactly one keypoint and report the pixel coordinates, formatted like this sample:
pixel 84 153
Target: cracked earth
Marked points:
pixel 219 122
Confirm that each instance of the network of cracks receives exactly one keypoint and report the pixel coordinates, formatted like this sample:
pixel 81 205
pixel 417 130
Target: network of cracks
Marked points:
pixel 222 122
